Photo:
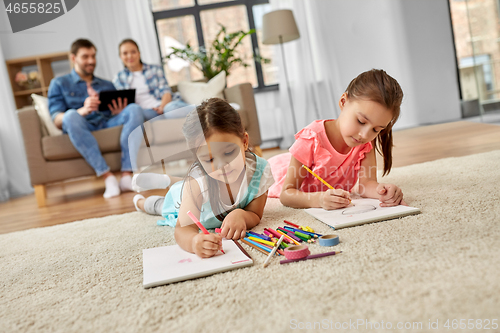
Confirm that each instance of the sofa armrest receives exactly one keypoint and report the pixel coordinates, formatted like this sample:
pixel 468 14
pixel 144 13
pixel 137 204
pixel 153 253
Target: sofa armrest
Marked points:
pixel 32 137
pixel 242 94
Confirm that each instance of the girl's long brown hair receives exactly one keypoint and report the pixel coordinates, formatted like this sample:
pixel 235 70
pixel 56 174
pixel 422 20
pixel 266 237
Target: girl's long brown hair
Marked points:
pixel 378 86
pixel 214 115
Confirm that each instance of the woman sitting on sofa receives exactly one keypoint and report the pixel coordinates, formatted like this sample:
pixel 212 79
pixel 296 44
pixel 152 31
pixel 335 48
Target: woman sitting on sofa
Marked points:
pixel 152 92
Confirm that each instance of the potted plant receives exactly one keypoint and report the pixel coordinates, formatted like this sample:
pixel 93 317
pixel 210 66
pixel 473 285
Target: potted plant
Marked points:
pixel 220 56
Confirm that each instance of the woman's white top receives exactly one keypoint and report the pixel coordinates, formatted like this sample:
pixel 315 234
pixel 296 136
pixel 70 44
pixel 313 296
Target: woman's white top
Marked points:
pixel 142 95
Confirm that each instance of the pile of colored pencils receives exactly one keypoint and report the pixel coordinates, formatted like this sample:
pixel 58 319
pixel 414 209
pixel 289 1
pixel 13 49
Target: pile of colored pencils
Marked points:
pixel 294 235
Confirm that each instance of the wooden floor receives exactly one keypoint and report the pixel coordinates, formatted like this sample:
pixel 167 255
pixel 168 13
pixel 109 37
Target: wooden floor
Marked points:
pixel 82 199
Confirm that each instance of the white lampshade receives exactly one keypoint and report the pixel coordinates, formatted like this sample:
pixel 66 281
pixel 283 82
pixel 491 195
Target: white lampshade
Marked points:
pixel 279 23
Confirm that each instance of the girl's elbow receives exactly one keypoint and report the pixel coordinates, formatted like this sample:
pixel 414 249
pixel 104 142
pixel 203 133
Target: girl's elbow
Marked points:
pixel 176 235
pixel 285 199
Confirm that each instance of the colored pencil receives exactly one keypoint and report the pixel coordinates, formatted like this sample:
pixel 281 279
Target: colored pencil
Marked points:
pixel 202 228
pixel 292 224
pixel 260 240
pixel 277 234
pixel 302 239
pixel 312 256
pixel 320 179
pixel 254 234
pixel 269 234
pixel 255 247
pixel 290 233
pixel 306 228
pixel 269 247
pixel 312 234
pixel 262 246
pixel 273 251
pixel 288 237
pixel 302 235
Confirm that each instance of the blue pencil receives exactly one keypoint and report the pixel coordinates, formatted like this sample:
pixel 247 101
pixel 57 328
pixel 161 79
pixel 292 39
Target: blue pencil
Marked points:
pixel 302 231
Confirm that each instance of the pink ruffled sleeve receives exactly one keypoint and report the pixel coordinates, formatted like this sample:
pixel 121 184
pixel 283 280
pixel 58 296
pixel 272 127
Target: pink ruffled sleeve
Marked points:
pixel 364 150
pixel 304 147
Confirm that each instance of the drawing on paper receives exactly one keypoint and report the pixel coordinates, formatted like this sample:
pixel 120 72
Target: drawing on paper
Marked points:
pixel 358 209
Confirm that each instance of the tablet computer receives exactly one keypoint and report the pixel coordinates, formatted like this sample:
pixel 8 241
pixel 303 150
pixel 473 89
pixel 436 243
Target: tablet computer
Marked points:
pixel 106 97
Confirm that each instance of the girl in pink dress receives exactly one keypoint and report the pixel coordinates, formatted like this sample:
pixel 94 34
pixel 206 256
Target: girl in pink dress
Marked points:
pixel 341 151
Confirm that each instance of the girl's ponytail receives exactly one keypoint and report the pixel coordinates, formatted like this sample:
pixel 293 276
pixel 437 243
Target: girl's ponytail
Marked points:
pixel 383 145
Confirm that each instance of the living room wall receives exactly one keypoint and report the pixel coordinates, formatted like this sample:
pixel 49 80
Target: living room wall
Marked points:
pixel 53 36
pixel 417 49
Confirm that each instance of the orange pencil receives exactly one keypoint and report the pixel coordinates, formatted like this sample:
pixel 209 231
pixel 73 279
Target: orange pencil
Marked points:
pixel 255 247
pixel 288 237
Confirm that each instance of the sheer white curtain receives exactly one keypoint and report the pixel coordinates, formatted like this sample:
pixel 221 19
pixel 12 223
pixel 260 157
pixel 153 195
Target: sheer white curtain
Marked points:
pixel 314 92
pixel 14 173
pixel 109 22
pixel 341 39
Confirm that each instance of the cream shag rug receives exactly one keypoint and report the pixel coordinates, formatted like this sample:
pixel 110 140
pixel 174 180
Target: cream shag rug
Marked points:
pixel 86 276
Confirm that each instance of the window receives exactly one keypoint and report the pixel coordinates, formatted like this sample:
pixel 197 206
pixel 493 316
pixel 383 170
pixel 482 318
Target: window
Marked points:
pixel 483 61
pixel 196 22
pixel 160 5
pixel 177 31
pixel 476 35
pixel 269 71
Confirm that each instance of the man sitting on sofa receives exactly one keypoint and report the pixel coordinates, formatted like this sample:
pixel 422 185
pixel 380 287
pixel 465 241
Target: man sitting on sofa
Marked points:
pixel 73 104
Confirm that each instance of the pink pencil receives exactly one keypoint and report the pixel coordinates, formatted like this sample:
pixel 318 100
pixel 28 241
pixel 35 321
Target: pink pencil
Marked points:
pixel 202 228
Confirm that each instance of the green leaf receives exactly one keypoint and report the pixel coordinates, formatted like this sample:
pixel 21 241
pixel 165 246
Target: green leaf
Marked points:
pixel 220 56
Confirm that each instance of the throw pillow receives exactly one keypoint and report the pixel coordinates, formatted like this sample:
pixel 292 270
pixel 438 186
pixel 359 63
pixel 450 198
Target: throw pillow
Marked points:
pixel 197 92
pixel 42 108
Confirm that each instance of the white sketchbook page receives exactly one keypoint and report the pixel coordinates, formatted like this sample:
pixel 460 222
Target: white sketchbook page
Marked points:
pixel 168 264
pixel 363 211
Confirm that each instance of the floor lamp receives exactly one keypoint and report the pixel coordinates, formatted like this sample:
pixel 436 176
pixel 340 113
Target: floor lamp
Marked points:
pixel 279 27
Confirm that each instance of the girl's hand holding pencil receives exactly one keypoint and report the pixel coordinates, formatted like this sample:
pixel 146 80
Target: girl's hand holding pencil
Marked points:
pixel 334 199
pixel 206 245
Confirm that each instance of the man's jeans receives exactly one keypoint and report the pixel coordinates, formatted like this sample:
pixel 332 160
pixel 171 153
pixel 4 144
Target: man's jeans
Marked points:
pixel 79 131
pixel 169 111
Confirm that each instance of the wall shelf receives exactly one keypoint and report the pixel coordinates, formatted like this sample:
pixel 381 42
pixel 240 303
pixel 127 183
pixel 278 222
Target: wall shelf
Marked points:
pixel 43 65
pixel 31 91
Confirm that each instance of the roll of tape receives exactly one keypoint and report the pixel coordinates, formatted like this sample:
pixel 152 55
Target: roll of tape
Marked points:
pixel 297 252
pixel 328 240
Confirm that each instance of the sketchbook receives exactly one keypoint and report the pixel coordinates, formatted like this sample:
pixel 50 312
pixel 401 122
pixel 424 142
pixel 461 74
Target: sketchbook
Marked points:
pixel 363 211
pixel 169 264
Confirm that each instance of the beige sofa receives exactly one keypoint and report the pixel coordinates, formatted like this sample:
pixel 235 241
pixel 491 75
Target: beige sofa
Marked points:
pixel 53 158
